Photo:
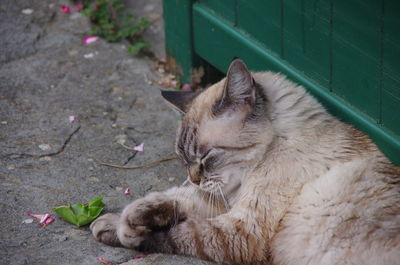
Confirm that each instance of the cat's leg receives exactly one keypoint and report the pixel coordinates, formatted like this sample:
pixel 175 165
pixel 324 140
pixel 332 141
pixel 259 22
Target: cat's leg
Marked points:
pixel 225 238
pixel 104 229
pixel 155 212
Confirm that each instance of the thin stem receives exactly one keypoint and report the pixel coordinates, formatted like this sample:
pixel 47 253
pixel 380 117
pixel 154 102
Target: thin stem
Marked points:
pixel 152 163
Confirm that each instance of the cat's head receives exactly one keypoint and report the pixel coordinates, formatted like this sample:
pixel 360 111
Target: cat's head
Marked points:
pixel 223 129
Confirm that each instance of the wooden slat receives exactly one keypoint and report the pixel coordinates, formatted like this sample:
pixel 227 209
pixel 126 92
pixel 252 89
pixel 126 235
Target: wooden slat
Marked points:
pixel 356 51
pixel 306 38
pixel 223 8
pixel 262 20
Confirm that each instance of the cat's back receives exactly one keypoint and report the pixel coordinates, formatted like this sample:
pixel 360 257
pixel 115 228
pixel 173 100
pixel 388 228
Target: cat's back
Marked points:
pixel 347 214
pixel 350 215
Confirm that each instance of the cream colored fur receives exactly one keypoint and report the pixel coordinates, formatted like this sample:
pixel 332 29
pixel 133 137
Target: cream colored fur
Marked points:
pixel 311 190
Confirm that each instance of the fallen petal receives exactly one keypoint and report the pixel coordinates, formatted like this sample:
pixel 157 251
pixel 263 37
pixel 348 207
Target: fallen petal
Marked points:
pixel 65 9
pixel 72 118
pixel 48 221
pixel 103 261
pixel 186 87
pixel 90 39
pixel 139 148
pixel 36 216
pixel 44 219
pixel 127 191
pixel 139 256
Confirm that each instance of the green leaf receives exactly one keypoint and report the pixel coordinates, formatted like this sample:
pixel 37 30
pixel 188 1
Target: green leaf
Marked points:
pixel 96 202
pixel 66 213
pixel 137 47
pixel 79 208
pixel 80 214
pixel 94 212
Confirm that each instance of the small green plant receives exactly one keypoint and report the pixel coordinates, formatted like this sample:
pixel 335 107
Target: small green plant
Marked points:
pixel 81 214
pixel 112 24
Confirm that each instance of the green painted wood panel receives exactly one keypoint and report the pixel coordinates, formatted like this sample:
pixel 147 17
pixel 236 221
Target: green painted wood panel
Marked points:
pixel 178 16
pixel 223 8
pixel 391 9
pixel 356 46
pixel 262 20
pixel 390 107
pixel 306 38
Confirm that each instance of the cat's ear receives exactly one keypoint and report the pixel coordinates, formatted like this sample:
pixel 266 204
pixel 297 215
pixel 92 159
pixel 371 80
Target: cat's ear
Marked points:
pixel 239 85
pixel 179 100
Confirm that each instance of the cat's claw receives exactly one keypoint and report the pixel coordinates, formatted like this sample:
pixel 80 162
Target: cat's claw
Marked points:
pixel 104 229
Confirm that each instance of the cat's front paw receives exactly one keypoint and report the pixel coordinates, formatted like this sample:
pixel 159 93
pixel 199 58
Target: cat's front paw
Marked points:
pixel 145 216
pixel 104 229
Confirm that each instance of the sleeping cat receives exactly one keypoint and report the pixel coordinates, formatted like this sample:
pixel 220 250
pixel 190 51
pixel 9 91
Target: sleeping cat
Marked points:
pixel 274 178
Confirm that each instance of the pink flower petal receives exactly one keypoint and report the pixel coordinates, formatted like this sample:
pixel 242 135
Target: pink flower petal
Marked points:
pixel 186 87
pixel 127 191
pixel 139 256
pixel 44 219
pixel 36 216
pixel 72 119
pixel 90 39
pixel 48 221
pixel 65 9
pixel 139 148
pixel 103 261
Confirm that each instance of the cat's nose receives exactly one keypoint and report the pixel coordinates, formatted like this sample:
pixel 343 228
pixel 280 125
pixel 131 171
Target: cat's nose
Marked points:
pixel 194 176
pixel 196 180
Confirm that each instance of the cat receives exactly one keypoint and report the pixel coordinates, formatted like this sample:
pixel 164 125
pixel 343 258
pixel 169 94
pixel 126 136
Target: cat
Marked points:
pixel 274 179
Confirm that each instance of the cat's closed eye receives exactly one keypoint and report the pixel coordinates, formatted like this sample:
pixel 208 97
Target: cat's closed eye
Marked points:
pixel 209 163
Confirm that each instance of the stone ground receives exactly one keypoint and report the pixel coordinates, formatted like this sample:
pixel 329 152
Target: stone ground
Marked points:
pixel 45 161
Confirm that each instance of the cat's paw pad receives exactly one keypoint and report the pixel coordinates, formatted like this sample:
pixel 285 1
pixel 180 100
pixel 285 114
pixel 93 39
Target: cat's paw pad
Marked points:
pixel 104 229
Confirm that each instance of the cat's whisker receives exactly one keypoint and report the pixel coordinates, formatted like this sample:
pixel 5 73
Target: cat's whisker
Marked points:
pixel 175 199
pixel 223 197
pixel 214 203
pixel 209 206
pixel 185 182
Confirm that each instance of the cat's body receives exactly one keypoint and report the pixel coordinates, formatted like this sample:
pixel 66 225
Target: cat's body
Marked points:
pixel 299 186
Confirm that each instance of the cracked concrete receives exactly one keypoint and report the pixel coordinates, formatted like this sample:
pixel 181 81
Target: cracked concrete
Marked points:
pixel 46 161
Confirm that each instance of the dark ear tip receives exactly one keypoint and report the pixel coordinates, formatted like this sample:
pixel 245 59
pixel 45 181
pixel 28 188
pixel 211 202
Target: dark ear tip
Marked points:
pixel 168 94
pixel 238 64
pixel 237 60
pixel 179 99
